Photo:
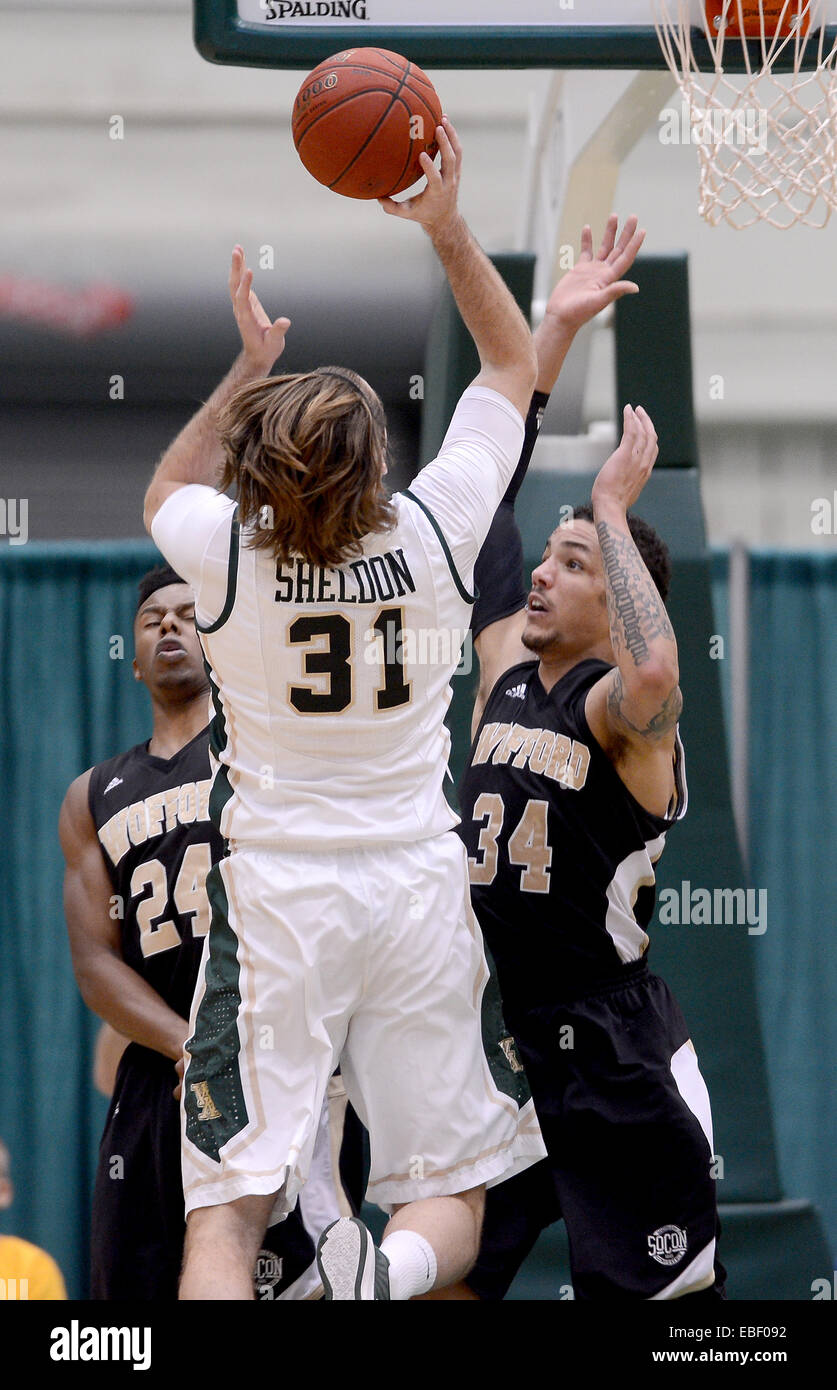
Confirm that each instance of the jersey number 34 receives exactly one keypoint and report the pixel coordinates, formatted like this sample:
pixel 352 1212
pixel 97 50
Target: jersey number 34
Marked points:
pixel 527 846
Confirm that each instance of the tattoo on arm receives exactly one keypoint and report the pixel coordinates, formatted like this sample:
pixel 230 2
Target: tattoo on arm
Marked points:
pixel 639 627
pixel 662 722
pixel 636 612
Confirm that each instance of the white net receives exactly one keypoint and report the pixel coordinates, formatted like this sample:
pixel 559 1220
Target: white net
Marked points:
pixel 766 139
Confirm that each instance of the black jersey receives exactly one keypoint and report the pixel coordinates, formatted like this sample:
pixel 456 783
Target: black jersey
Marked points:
pixel 560 853
pixel 152 818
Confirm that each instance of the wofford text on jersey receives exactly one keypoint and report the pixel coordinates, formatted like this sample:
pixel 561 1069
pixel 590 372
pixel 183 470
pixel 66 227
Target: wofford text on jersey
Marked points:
pixel 369 580
pixel 141 821
pixel 563 759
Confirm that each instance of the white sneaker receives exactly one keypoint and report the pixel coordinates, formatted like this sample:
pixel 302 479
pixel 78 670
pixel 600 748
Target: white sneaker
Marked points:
pixel 350 1265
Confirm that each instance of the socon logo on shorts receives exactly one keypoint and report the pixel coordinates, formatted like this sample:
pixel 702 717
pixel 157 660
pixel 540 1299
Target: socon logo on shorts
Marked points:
pixel 667 1245
pixel 267 1274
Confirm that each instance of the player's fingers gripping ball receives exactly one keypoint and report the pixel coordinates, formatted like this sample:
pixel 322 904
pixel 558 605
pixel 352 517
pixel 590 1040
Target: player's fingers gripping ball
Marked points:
pixel 362 119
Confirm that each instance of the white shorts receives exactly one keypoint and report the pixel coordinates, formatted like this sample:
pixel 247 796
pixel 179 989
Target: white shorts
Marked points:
pixel 370 959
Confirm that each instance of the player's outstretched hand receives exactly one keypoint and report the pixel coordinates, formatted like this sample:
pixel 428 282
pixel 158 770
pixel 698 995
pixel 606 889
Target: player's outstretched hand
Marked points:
pixel 263 341
pixel 624 475
pixel 437 203
pixel 180 1067
pixel 596 281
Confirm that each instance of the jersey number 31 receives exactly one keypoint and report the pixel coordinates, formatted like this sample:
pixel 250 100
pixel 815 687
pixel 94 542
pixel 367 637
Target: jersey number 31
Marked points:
pixel 333 661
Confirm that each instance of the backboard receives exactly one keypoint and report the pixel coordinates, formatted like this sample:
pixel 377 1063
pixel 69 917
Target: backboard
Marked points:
pixel 448 33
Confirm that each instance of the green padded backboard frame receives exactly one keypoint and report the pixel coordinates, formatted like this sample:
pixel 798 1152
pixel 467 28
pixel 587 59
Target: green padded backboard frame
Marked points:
pixel 222 37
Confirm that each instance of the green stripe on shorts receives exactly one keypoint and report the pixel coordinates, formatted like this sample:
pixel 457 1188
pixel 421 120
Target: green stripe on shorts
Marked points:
pixel 498 1044
pixel 214 1097
pixel 221 789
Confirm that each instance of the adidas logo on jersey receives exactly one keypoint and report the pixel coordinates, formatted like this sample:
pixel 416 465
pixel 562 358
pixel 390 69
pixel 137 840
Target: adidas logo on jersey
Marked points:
pixel 114 782
pixel 518 692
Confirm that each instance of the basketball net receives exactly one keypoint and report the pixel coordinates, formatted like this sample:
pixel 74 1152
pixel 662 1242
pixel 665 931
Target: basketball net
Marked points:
pixel 767 141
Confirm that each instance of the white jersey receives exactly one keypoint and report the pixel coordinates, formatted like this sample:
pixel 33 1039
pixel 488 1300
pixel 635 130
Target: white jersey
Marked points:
pixel 331 686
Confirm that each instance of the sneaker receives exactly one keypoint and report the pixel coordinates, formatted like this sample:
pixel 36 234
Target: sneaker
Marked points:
pixel 350 1266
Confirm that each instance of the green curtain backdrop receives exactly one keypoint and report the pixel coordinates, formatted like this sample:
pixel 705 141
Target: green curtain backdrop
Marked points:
pixel 65 703
pixel 68 700
pixel 793 853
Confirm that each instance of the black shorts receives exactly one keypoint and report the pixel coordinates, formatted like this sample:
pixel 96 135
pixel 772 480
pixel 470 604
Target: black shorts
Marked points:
pixel 138 1216
pixel 630 1168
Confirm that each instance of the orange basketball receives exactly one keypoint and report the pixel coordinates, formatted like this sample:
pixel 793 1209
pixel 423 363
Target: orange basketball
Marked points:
pixel 779 19
pixel 362 118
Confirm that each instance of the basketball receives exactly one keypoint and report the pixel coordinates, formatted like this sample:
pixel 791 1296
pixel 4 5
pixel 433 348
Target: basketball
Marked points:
pixel 361 120
pixel 779 18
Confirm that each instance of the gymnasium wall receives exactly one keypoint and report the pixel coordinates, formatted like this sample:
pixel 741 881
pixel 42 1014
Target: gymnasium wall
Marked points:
pixel 66 703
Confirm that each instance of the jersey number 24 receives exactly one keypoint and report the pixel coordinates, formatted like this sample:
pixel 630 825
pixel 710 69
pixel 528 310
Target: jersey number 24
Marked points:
pixel 188 896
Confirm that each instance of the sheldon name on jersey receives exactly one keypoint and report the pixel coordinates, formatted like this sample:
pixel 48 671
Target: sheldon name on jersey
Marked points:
pixel 369 580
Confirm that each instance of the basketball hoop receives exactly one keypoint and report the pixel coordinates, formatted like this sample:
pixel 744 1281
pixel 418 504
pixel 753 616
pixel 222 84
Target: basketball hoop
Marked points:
pixel 767 141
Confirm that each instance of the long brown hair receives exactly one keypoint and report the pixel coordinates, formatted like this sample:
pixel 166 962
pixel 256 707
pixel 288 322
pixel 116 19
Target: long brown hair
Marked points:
pixel 305 455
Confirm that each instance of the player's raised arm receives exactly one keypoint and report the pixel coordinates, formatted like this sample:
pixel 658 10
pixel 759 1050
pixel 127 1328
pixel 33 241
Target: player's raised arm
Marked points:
pixel 633 710
pixel 195 456
pixel 499 330
pixel 593 283
pixel 108 985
